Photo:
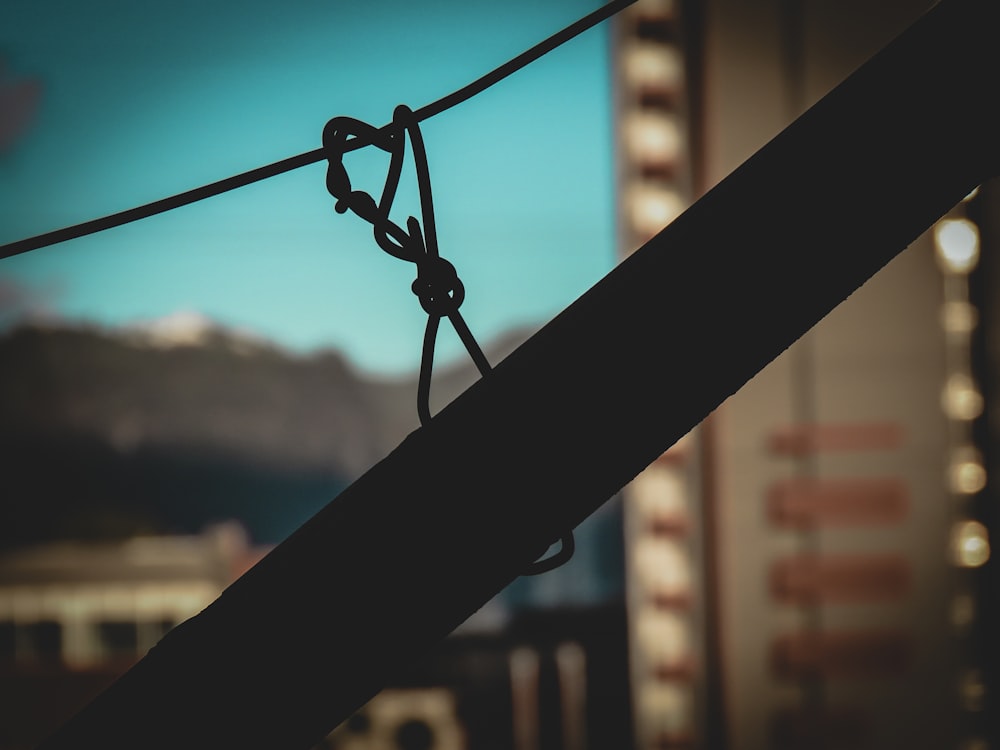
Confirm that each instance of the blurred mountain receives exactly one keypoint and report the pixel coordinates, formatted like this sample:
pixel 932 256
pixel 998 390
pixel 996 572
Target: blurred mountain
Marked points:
pixel 177 423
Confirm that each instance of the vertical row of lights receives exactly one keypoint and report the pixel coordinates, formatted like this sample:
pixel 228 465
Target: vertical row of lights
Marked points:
pixel 957 248
pixel 654 174
pixel 660 507
pixel 663 602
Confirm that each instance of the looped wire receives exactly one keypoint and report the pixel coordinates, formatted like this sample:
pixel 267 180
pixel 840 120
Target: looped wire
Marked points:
pixel 437 285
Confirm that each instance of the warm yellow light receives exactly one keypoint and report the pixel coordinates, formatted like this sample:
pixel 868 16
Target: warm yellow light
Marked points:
pixel 653 138
pixel 961 398
pixel 662 638
pixel 966 475
pixel 653 66
pixel 665 708
pixel 957 242
pixel 662 567
pixel 970 544
pixel 959 317
pixel 972 194
pixel 652 208
pixel 970 478
pixel 658 494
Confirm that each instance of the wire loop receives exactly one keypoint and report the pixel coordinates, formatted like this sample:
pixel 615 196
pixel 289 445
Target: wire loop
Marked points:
pixel 567 545
pixel 437 285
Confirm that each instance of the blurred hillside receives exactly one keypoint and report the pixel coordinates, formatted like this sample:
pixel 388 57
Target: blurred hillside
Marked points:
pixel 167 428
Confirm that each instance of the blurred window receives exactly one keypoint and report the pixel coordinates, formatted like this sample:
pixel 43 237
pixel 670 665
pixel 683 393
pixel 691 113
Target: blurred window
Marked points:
pixel 39 641
pixel 6 641
pixel 118 637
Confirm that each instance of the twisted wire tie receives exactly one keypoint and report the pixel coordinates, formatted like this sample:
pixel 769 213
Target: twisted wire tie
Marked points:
pixel 437 285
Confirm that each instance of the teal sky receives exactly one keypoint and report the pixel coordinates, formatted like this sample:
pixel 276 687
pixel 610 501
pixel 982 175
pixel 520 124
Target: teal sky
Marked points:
pixel 141 100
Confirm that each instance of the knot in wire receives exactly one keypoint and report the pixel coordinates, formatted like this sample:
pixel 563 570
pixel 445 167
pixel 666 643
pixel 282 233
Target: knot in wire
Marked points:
pixel 438 287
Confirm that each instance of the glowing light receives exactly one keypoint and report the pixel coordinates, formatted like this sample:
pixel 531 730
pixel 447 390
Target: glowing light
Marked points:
pixel 662 638
pixel 652 208
pixel 959 317
pixel 653 66
pixel 667 707
pixel 653 138
pixel 971 195
pixel 662 567
pixel 966 475
pixel 957 243
pixel 970 544
pixel 658 495
pixel 961 398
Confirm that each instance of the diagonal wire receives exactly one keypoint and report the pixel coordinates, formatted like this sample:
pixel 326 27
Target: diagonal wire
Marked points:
pixel 310 157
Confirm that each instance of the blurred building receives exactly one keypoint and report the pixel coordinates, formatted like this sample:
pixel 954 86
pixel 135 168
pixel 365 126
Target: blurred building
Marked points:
pixel 75 615
pixel 808 569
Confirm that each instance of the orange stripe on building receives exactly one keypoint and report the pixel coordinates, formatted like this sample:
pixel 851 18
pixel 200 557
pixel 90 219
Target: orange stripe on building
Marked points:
pixel 804 439
pixel 816 579
pixel 806 503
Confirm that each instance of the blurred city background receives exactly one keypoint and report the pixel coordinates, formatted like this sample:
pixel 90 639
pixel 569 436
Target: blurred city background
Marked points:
pixel 809 568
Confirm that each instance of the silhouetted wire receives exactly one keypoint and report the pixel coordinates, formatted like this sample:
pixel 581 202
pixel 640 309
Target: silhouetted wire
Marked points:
pixel 437 285
pixel 310 157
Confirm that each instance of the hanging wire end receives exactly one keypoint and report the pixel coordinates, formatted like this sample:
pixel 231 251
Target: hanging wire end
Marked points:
pixel 567 545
